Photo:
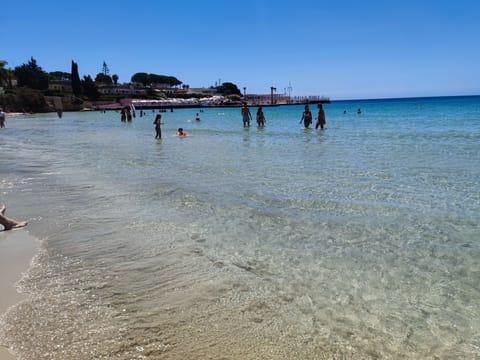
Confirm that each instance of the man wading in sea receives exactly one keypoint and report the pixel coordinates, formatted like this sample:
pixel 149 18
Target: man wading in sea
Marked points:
pixel 246 116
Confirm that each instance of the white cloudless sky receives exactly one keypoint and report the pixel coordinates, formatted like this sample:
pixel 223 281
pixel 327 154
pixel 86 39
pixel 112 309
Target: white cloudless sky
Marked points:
pixel 342 49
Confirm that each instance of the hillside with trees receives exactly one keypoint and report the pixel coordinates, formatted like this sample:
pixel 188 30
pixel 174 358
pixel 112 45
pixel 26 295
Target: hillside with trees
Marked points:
pixel 29 88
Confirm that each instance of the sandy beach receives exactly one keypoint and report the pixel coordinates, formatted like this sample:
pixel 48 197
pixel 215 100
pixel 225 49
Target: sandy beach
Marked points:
pixel 17 249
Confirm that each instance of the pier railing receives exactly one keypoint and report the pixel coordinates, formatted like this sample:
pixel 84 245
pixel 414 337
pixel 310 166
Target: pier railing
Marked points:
pixel 279 99
pixel 309 99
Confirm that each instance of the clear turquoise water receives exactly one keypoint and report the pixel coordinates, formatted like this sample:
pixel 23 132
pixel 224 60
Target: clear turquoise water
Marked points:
pixel 359 241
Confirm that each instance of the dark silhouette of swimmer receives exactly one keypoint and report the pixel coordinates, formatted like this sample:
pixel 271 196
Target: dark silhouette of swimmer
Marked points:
pixel 181 133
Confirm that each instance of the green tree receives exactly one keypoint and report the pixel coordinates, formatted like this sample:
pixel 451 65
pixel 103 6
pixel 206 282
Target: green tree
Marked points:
pixel 3 72
pixel 30 100
pixel 6 75
pixel 90 90
pixel 105 70
pixel 115 79
pixel 164 79
pixel 173 81
pixel 76 83
pixel 157 79
pixel 59 76
pixel 141 78
pixel 10 75
pixel 228 88
pixel 31 75
pixel 101 78
pixel 148 79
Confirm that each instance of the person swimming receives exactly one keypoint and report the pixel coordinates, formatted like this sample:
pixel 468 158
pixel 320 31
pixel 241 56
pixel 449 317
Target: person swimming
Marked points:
pixel 181 133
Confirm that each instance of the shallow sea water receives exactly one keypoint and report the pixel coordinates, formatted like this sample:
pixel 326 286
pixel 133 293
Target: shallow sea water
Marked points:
pixel 359 241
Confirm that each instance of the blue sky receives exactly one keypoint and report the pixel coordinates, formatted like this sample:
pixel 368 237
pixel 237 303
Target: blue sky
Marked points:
pixel 342 49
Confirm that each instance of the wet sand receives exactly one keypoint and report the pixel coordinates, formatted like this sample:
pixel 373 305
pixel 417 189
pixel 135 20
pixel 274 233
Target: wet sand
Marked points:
pixel 5 355
pixel 17 248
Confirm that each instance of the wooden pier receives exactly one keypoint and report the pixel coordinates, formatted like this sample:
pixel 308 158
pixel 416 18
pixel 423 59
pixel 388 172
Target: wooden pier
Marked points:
pixel 275 100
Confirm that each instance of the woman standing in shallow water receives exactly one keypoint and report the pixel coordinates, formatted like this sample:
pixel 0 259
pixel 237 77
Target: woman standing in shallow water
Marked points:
pixel 157 124
pixel 260 117
pixel 306 117
pixel 320 117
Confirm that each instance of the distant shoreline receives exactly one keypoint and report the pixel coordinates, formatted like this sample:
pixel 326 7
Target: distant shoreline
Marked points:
pixel 118 106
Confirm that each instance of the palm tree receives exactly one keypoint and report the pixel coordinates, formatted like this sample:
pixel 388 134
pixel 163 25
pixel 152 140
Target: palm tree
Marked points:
pixel 115 79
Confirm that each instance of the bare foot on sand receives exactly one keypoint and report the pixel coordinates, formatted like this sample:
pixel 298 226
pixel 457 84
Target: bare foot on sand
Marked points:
pixel 9 224
pixel 17 225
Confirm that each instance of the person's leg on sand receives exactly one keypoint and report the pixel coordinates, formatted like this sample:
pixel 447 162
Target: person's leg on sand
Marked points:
pixel 8 223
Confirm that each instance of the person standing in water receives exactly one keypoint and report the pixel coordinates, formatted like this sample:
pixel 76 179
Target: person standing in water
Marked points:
pixel 8 223
pixel 320 117
pixel 306 117
pixel 2 119
pixel 260 117
pixel 246 116
pixel 157 123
